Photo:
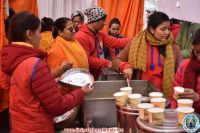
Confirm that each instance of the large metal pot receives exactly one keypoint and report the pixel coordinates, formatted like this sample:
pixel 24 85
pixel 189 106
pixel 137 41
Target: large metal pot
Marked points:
pixel 126 118
pixel 100 108
pixel 170 124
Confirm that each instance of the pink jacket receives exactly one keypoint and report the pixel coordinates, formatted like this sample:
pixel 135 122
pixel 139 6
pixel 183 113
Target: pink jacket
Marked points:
pixel 178 81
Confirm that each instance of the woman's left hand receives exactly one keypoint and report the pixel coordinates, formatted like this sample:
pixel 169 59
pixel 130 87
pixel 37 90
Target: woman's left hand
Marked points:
pixel 189 94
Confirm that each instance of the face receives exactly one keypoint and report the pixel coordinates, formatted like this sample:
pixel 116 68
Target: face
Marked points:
pixel 114 29
pixel 34 37
pixel 196 49
pixel 100 24
pixel 77 21
pixel 162 31
pixel 68 32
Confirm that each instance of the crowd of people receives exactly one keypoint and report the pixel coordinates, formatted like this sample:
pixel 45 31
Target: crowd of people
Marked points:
pixel 39 51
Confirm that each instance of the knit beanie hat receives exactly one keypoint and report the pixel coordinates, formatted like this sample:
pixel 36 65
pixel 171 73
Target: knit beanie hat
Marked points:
pixel 77 13
pixel 95 13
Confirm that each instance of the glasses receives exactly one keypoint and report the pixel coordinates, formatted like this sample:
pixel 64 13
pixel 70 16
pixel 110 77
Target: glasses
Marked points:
pixel 71 29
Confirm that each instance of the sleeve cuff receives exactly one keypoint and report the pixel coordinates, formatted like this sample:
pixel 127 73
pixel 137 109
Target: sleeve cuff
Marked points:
pixel 124 65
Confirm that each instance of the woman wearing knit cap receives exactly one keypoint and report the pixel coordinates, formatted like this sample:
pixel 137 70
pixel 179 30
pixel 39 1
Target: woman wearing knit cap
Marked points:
pixel 77 19
pixel 152 55
pixel 92 40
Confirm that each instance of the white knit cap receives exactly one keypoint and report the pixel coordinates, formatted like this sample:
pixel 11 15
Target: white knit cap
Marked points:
pixel 94 13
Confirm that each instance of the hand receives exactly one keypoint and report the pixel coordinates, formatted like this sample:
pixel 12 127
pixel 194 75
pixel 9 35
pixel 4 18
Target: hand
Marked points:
pixel 66 65
pixel 110 66
pixel 189 94
pixel 87 89
pixel 128 72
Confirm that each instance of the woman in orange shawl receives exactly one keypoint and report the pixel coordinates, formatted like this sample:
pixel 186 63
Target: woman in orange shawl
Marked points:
pixel 65 47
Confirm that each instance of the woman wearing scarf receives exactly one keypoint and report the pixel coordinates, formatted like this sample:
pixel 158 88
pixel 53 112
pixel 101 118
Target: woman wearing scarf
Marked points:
pixel 152 55
pixel 188 76
pixel 65 47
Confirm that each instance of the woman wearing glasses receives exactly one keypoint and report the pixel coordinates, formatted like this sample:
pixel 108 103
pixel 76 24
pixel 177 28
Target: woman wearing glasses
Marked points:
pixel 66 48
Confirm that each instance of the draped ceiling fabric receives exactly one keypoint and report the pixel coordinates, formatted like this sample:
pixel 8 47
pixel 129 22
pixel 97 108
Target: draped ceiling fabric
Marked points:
pixel 130 13
pixel 62 8
pixel 24 5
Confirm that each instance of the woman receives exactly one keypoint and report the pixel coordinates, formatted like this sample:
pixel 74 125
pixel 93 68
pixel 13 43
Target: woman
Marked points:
pixel 188 76
pixel 65 47
pixel 77 19
pixel 114 30
pixel 151 54
pixel 46 32
pixel 34 95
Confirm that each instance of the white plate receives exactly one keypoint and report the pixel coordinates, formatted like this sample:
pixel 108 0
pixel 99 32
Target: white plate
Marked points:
pixel 77 77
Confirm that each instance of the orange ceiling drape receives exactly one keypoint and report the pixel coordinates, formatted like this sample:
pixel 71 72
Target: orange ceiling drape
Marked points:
pixel 24 5
pixel 129 12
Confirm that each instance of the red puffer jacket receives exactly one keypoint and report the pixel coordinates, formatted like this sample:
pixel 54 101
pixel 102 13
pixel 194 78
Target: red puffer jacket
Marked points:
pixel 178 81
pixel 87 39
pixel 34 103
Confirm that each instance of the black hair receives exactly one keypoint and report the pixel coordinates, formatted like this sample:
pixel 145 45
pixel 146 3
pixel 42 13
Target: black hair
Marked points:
pixel 155 19
pixel 60 24
pixel 114 21
pixel 47 24
pixel 196 38
pixel 8 20
pixel 20 23
pixel 174 21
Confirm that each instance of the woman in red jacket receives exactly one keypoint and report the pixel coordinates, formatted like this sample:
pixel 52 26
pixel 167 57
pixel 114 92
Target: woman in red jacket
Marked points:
pixel 34 95
pixel 188 76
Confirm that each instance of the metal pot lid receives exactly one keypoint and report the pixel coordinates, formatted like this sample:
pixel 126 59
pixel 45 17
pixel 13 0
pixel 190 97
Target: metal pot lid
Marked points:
pixel 77 77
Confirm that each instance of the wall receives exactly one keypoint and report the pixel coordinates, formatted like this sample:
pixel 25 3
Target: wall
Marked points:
pixel 189 10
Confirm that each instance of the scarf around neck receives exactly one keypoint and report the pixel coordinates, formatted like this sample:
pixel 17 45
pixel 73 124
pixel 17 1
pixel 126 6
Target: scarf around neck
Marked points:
pixel 138 57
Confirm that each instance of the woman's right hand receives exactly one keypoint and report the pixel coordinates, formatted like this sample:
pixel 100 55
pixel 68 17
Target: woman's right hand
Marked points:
pixel 128 72
pixel 87 89
pixel 66 65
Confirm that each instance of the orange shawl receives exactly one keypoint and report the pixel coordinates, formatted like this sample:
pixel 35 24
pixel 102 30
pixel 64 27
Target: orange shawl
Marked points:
pixel 69 50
